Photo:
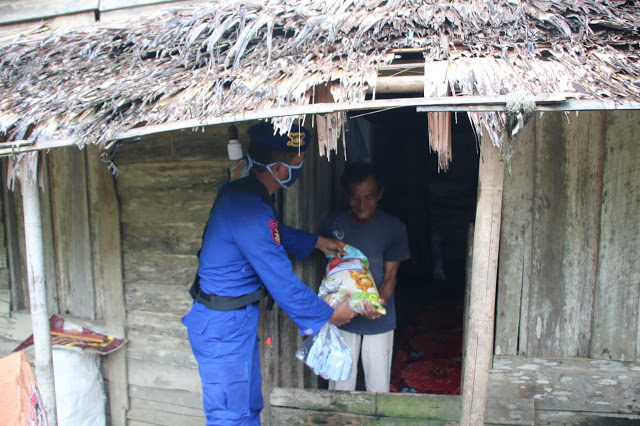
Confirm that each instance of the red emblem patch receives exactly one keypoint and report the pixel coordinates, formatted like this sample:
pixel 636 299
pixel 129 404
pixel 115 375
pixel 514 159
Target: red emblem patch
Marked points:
pixel 275 233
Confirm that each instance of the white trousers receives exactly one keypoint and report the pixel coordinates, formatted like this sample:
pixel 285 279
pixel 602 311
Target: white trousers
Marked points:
pixel 376 361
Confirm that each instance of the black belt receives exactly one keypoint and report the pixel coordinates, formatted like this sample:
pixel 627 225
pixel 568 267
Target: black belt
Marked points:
pixel 225 303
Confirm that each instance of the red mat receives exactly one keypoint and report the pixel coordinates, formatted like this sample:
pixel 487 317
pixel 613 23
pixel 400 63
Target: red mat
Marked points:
pixel 428 359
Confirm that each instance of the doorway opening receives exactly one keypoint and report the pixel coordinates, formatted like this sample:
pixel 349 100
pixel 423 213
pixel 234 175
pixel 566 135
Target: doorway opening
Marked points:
pixel 438 209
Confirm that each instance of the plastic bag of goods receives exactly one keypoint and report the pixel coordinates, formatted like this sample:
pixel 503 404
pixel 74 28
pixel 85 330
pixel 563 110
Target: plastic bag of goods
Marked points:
pixel 327 354
pixel 350 274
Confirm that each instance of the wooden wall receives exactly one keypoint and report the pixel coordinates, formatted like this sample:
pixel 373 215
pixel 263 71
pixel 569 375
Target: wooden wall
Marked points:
pixel 166 185
pixel 569 282
pixel 81 256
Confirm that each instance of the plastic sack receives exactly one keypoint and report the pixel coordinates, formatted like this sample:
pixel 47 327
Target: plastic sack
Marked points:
pixel 327 354
pixel 80 396
pixel 350 274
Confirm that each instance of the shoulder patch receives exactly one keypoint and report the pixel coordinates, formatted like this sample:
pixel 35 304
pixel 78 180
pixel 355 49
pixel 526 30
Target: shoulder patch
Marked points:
pixel 275 233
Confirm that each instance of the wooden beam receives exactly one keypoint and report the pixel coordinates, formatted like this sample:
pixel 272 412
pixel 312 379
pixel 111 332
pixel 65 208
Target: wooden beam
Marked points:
pixel 16 11
pixel 480 321
pixel 545 102
pixel 399 84
pixel 104 214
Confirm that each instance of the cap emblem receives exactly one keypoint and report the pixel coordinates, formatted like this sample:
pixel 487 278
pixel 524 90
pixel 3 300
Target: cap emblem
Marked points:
pixel 296 139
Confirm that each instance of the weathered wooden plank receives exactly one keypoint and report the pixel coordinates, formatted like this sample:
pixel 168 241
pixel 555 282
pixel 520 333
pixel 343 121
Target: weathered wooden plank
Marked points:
pixel 510 411
pixel 480 320
pixel 181 145
pixel 152 207
pixel 163 418
pixel 159 268
pixel 17 326
pixel 166 238
pixel 8 345
pixel 170 396
pixel 4 278
pixel 5 302
pixel 155 375
pixel 323 400
pixel 167 409
pixel 3 249
pixel 162 349
pixel 132 422
pixel 122 4
pixel 615 331
pixel 158 297
pixel 107 273
pixel 440 407
pixel 198 176
pixel 293 416
pixel 69 199
pixel 12 204
pixel 544 417
pixel 568 181
pixel 515 243
pixel 390 407
pixel 16 11
pixel 589 385
pixel 160 323
pixel 48 244
pixel 564 365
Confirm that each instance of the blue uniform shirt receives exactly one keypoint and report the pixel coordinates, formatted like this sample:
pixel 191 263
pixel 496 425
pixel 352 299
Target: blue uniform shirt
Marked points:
pixel 245 247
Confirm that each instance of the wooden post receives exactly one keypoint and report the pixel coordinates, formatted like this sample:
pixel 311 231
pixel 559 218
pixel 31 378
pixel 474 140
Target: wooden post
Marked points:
pixel 104 212
pixel 479 342
pixel 37 291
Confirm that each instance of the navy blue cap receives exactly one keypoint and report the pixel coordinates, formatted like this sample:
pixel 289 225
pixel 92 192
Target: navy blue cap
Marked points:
pixel 298 138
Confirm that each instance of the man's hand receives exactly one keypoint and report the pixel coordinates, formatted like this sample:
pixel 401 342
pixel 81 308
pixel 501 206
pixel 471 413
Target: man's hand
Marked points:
pixel 342 313
pixel 330 246
pixel 384 294
pixel 370 312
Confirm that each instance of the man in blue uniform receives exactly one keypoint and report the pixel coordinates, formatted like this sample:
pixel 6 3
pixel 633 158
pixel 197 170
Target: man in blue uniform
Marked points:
pixel 245 250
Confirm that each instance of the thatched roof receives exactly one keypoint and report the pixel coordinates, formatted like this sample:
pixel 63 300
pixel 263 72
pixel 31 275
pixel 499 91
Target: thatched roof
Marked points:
pixel 220 58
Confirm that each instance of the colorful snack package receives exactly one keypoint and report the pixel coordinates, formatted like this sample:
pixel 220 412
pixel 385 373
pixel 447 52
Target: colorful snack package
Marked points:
pixel 350 274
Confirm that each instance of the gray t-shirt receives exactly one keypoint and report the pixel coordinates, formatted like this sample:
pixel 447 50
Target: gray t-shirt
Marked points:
pixel 383 238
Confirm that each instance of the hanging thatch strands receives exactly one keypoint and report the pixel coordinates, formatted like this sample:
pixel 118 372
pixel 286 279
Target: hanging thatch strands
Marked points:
pixel 436 84
pixel 228 58
pixel 440 137
pixel 330 126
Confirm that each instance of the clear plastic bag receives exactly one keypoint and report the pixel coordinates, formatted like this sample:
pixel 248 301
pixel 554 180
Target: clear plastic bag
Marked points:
pixel 349 274
pixel 327 354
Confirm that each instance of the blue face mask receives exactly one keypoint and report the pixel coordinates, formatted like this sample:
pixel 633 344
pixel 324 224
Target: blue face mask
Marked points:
pixel 294 171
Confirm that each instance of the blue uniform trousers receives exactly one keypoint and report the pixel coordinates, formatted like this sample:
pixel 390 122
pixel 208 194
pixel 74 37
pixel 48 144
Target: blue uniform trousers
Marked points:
pixel 225 344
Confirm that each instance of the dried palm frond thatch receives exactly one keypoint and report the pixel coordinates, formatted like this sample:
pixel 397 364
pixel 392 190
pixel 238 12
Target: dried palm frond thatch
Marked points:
pixel 229 57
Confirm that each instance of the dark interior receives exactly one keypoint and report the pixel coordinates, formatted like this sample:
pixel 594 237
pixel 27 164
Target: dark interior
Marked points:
pixel 438 209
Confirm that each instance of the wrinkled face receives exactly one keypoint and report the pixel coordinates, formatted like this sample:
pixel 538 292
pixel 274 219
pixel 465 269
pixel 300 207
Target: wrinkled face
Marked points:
pixel 362 200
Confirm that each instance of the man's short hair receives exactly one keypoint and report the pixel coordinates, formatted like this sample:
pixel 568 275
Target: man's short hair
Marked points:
pixel 359 172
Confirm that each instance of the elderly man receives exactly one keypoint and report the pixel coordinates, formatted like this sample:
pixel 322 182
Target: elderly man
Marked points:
pixel 244 253
pixel 383 239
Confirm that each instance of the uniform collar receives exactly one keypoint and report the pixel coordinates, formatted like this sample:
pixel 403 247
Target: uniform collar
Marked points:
pixel 253 185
